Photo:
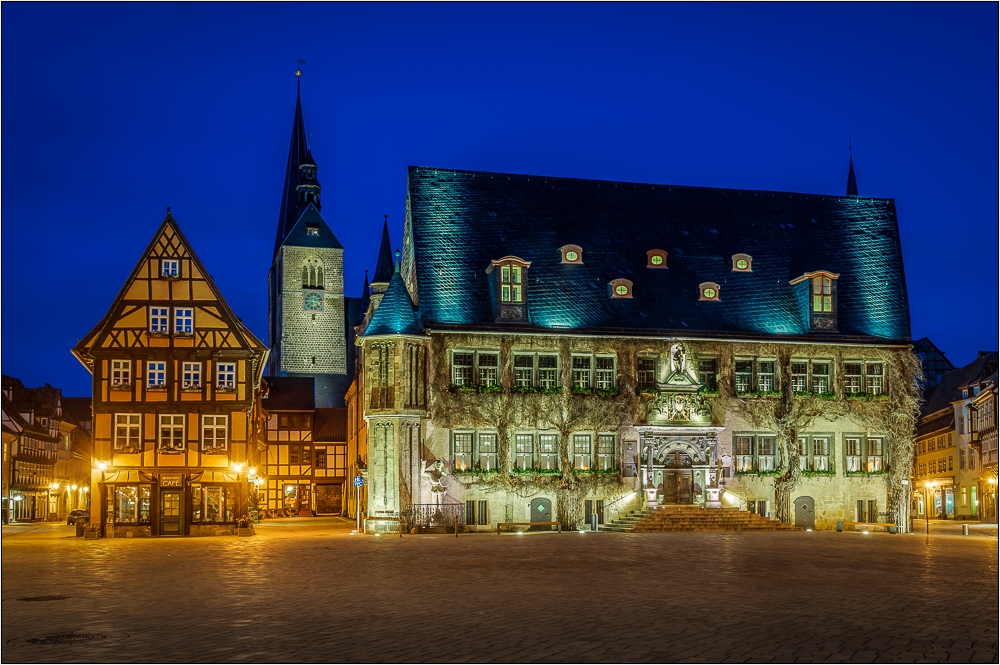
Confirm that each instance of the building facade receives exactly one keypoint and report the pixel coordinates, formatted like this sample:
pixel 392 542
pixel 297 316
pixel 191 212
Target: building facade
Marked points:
pixel 947 464
pixel 307 452
pixel 176 376
pixel 562 350
pixel 983 425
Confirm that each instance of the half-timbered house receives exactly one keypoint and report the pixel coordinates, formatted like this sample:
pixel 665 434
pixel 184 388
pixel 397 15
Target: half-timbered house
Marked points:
pixel 175 379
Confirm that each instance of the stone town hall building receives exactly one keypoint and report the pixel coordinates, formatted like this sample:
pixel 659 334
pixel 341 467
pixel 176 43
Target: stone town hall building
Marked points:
pixel 550 349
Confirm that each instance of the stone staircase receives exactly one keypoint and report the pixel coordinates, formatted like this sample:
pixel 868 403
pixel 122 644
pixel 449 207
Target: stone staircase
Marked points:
pixel 693 518
pixel 627 521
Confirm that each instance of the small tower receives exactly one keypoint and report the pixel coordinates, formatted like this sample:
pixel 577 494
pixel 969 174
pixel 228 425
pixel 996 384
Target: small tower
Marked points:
pixel 393 392
pixel 383 266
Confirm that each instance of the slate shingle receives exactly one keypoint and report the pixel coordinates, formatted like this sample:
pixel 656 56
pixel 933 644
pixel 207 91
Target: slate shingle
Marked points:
pixel 461 220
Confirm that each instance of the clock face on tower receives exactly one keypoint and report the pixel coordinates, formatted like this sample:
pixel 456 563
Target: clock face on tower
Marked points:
pixel 312 301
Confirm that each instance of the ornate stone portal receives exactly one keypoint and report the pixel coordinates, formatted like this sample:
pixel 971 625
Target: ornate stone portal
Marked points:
pixel 678 445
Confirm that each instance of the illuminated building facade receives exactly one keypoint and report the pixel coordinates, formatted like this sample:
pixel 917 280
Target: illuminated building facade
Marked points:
pixel 176 380
pixel 564 350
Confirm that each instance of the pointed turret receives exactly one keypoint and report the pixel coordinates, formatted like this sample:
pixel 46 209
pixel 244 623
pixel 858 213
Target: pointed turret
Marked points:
pixel 852 182
pixel 395 314
pixel 384 264
pixel 301 186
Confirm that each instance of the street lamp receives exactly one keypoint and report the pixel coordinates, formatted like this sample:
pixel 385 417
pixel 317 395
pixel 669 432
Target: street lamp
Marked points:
pixel 927 506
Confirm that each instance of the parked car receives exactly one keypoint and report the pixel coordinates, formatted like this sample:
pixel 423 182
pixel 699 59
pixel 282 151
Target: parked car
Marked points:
pixel 75 515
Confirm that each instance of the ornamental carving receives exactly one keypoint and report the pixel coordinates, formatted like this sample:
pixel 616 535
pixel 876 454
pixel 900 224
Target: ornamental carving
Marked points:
pixel 679 408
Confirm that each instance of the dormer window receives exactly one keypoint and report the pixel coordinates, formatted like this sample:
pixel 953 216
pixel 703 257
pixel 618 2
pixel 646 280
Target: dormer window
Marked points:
pixel 621 288
pixel 656 258
pixel 312 229
pixel 508 281
pixel 571 254
pixel 822 298
pixel 708 291
pixel 742 263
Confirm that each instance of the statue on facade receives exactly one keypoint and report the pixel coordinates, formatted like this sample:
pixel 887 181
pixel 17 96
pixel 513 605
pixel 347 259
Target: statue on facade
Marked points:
pixel 677 359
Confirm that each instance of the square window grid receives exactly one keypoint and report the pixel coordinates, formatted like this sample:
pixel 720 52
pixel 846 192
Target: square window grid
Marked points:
pixel 226 376
pixel 183 321
pixel 121 372
pixel 156 374
pixel 159 320
pixel 171 432
pixel 191 375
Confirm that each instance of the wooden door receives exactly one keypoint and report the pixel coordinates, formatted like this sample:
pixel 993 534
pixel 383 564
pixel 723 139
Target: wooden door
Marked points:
pixel 670 487
pixel 329 499
pixel 684 487
pixel 305 501
pixel 170 512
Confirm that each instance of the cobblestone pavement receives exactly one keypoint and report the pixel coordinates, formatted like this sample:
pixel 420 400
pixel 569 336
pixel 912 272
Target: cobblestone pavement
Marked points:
pixel 317 593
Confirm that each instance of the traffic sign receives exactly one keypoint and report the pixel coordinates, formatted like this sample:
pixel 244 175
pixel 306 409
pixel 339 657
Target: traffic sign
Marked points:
pixel 359 481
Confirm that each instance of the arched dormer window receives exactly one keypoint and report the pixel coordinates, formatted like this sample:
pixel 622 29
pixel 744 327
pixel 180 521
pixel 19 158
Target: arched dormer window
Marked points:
pixel 508 283
pixel 708 291
pixel 572 254
pixel 312 274
pixel 621 288
pixel 742 263
pixel 656 258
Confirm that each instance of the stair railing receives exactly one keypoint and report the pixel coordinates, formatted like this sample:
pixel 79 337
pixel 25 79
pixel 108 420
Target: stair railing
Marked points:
pixel 607 514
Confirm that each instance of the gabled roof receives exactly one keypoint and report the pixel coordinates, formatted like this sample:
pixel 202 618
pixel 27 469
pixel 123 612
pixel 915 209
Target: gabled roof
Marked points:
pixel 330 425
pixel 949 389
pixel 298 236
pixel 395 314
pixel 459 221
pixel 169 230
pixel 944 421
pixel 290 393
pixel 384 264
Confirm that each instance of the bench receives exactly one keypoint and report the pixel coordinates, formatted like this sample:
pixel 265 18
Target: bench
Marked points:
pixel 500 525
pixel 853 526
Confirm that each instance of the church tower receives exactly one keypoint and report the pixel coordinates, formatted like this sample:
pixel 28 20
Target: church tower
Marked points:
pixel 307 327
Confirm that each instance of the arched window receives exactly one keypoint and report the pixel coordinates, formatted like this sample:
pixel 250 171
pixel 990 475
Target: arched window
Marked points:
pixel 571 253
pixel 312 274
pixel 742 263
pixel 656 258
pixel 621 288
pixel 708 291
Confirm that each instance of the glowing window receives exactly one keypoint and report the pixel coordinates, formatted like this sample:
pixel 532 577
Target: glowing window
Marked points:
pixel 708 291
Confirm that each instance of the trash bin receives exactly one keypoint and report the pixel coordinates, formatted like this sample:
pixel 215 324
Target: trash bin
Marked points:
pixel 80 526
pixel 840 526
pixel 965 529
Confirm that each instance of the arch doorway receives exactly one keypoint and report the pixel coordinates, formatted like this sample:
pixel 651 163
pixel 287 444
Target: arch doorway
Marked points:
pixel 676 485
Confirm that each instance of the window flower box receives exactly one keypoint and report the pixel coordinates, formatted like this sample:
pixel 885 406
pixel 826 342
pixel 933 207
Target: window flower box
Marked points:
pixel 811 473
pixel 762 474
pixel 767 394
pixel 607 392
pixel 648 392
pixel 708 392
pixel 127 387
pixel 866 396
pixel 490 389
pixel 463 389
pixel 807 393
pixel 524 390
pixel 554 390
pixel 582 391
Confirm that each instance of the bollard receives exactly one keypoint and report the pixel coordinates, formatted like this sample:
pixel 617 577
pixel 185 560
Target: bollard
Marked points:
pixel 840 526
pixel 965 529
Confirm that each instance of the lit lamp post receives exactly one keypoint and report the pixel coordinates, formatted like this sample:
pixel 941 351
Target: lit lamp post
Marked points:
pixel 927 506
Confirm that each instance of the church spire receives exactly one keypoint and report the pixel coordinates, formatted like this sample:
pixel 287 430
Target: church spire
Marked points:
pixel 384 265
pixel 301 186
pixel 852 181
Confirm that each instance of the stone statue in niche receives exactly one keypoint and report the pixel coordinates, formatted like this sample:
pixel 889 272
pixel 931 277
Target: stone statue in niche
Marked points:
pixel 677 359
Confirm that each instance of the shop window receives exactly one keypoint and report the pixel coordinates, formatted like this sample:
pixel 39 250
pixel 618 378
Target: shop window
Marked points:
pixel 213 504
pixel 129 503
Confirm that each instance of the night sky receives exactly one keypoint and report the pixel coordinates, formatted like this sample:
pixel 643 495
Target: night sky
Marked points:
pixel 112 112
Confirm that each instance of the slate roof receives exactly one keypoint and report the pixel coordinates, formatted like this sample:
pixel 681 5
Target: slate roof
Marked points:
pixel 461 220
pixel 944 421
pixel 395 314
pixel 79 409
pixel 290 393
pixel 948 390
pixel 330 425
pixel 299 237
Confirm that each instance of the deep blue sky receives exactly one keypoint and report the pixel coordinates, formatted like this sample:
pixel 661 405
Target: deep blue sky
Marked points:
pixel 112 112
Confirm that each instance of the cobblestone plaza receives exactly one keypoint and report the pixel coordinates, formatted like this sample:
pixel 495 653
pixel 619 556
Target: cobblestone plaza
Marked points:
pixel 316 593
